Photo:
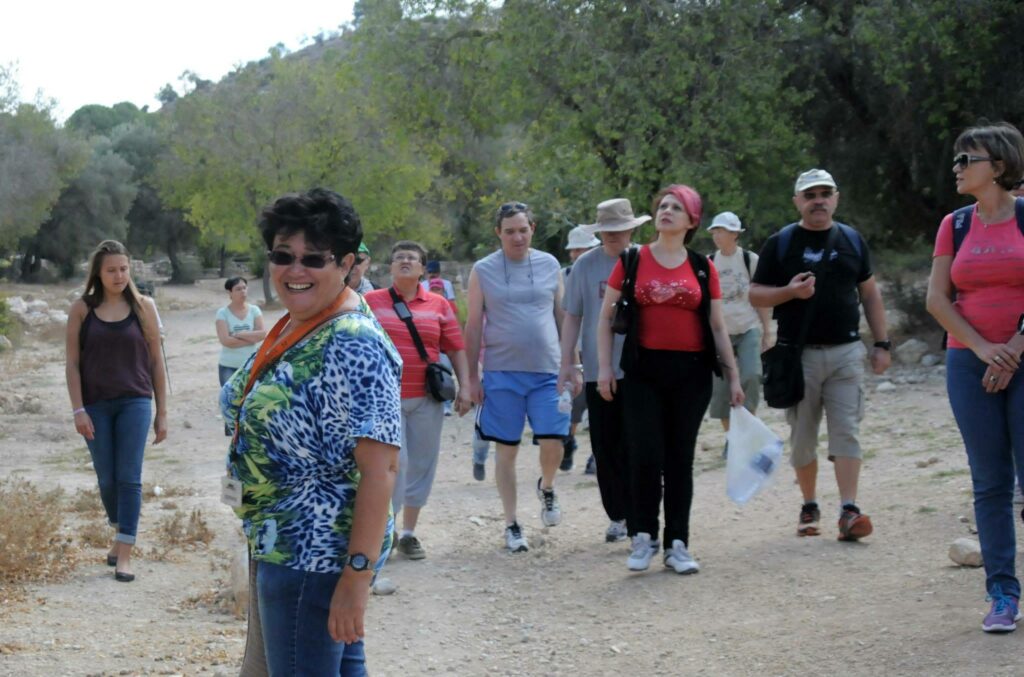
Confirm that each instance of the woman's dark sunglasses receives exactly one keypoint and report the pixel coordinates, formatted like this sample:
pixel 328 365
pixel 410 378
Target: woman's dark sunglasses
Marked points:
pixel 963 160
pixel 279 257
pixel 511 209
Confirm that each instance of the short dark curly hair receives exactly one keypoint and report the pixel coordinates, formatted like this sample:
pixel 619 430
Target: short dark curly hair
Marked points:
pixel 230 283
pixel 326 219
pixel 1003 143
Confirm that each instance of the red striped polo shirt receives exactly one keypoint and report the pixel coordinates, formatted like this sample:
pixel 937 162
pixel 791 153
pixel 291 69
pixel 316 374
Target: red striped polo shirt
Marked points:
pixel 437 326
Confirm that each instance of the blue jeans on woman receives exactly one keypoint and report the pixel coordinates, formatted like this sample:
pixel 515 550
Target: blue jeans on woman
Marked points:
pixel 992 426
pixel 294 608
pixel 116 448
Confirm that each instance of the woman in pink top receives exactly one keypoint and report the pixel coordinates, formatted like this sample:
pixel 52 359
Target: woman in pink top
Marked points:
pixel 976 292
pixel 422 415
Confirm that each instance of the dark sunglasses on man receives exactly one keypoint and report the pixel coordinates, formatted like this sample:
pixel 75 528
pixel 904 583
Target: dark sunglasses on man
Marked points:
pixel 280 257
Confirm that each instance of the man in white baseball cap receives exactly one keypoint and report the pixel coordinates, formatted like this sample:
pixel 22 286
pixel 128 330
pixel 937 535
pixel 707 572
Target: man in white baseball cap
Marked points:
pixel 800 280
pixel 582 303
pixel 749 328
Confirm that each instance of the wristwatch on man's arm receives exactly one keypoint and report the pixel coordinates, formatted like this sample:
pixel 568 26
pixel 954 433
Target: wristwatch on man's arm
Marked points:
pixel 884 345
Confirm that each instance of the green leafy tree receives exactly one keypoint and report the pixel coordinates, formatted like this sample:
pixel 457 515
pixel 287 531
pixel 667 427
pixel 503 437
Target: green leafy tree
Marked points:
pixel 37 159
pixel 153 226
pixel 286 125
pixel 91 208
pixel 94 119
pixel 893 82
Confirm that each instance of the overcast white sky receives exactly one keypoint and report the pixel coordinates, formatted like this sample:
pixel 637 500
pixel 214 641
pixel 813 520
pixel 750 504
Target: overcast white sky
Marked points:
pixel 108 51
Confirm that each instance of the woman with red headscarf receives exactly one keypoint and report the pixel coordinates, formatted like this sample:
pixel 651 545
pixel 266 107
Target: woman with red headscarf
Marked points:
pixel 677 340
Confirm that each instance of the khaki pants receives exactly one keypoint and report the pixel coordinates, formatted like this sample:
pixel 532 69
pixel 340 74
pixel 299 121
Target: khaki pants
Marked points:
pixel 833 384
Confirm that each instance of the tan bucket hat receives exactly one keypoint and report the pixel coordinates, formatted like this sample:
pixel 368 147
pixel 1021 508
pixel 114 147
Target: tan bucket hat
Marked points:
pixel 616 215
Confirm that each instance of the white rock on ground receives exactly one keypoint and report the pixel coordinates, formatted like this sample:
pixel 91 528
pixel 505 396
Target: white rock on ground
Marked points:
pixel 911 351
pixel 966 552
pixel 5 343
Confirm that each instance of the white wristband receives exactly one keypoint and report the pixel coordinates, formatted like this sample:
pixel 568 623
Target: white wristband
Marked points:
pixel 76 412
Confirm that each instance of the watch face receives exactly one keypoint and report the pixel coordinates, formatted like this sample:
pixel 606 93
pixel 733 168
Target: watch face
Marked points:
pixel 359 562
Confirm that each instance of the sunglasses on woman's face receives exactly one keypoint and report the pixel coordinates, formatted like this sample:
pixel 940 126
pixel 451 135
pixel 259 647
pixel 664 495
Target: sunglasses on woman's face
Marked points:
pixel 963 160
pixel 279 257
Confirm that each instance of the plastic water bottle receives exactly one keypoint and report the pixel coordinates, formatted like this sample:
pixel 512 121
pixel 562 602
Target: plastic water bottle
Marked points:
pixel 753 475
pixel 565 402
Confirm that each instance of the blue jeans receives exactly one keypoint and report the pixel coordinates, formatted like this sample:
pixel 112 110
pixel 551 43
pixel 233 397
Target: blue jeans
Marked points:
pixel 992 426
pixel 294 608
pixel 116 449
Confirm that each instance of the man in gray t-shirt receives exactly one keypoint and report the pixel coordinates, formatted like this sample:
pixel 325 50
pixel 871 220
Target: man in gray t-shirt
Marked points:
pixel 519 291
pixel 582 303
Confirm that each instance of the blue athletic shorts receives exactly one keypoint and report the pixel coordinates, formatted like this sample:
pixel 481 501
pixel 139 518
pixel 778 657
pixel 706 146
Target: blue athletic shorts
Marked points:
pixel 512 397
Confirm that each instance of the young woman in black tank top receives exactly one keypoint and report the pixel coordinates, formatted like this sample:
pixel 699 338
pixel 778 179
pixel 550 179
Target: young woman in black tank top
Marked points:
pixel 113 373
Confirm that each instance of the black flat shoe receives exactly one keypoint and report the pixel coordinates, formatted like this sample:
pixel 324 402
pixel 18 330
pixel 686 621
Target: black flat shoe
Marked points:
pixel 122 577
pixel 111 560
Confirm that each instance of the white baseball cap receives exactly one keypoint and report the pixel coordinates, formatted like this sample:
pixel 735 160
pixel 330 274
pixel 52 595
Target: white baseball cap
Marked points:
pixel 580 238
pixel 812 178
pixel 727 220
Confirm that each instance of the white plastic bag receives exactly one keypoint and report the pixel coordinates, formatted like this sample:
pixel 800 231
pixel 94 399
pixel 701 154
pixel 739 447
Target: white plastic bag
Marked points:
pixel 754 454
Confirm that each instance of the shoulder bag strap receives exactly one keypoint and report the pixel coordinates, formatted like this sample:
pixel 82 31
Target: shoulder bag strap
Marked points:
pixel 395 301
pixel 630 264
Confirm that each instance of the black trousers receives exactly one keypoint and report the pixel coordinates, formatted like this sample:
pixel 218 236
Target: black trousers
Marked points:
pixel 665 401
pixel 608 442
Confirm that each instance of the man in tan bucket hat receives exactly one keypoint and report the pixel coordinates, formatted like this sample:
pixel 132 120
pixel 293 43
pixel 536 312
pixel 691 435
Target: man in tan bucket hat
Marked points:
pixel 582 303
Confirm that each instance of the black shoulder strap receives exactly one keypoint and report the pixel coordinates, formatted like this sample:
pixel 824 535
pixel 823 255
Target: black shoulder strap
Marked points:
pixel 702 271
pixel 785 237
pixel 395 301
pixel 630 258
pixel 746 264
pixel 961 224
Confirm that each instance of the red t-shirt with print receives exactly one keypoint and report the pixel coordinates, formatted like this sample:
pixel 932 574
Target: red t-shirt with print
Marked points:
pixel 988 273
pixel 669 302
pixel 436 324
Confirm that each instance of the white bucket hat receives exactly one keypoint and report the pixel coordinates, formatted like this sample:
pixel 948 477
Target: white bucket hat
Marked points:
pixel 727 220
pixel 812 178
pixel 615 215
pixel 579 238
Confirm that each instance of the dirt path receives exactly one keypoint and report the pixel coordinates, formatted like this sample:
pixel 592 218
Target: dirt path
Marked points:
pixel 765 602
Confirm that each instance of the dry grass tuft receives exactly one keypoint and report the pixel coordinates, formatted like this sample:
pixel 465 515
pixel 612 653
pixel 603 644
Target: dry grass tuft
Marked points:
pixel 181 530
pixel 85 500
pixel 32 545
pixel 96 534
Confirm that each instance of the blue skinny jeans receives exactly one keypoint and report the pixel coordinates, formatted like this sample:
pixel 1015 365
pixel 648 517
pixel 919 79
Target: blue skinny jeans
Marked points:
pixel 294 607
pixel 992 426
pixel 116 448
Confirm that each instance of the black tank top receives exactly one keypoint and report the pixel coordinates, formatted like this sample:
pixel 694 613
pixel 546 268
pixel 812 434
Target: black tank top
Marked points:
pixel 114 359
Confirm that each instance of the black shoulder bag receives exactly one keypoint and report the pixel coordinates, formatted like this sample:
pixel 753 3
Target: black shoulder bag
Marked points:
pixel 625 307
pixel 440 381
pixel 781 364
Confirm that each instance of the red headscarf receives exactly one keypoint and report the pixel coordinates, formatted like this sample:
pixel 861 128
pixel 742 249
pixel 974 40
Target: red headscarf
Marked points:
pixel 690 199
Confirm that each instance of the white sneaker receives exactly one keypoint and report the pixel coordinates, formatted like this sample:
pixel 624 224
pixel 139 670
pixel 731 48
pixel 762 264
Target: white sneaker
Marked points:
pixel 679 558
pixel 550 511
pixel 514 539
pixel 643 550
pixel 616 532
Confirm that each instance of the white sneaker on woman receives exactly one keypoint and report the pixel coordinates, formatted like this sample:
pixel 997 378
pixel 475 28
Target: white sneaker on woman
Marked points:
pixel 679 558
pixel 643 550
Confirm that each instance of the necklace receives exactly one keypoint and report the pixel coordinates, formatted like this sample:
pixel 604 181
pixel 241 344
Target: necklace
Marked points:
pixel 508 276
